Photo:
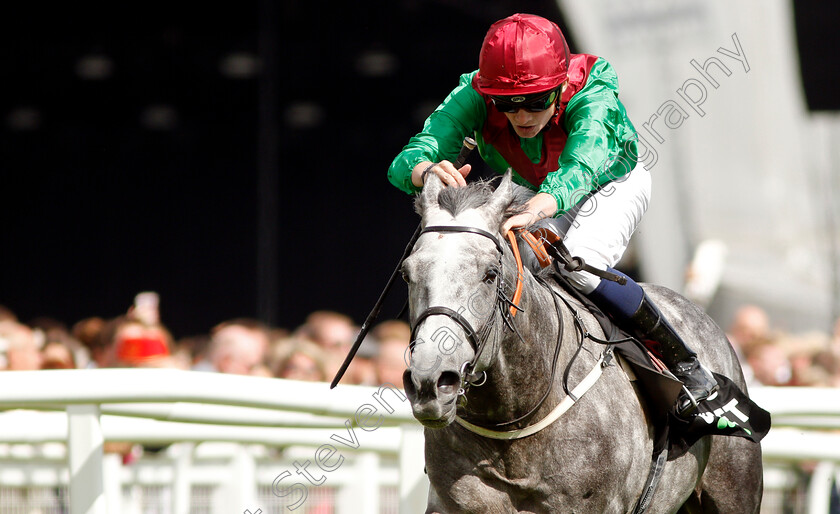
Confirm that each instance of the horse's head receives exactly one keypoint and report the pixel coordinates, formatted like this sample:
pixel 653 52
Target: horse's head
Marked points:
pixel 455 278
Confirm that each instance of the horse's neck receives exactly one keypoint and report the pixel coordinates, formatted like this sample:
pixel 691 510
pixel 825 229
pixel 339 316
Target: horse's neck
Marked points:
pixel 522 372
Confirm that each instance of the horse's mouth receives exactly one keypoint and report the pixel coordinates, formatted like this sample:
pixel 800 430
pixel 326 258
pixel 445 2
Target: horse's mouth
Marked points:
pixel 433 402
pixel 433 407
pixel 436 424
pixel 435 413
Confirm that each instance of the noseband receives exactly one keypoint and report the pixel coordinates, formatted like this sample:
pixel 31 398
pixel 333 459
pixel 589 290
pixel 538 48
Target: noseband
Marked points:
pixel 478 340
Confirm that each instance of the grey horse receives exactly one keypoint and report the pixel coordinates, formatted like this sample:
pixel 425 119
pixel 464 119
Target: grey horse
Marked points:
pixel 473 364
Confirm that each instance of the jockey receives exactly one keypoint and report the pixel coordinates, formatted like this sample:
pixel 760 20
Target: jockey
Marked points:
pixel 555 119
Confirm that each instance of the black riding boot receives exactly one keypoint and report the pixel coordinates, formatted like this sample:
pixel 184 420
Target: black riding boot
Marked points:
pixel 649 326
pixel 632 310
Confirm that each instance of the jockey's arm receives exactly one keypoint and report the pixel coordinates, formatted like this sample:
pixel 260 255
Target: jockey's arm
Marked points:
pixel 460 114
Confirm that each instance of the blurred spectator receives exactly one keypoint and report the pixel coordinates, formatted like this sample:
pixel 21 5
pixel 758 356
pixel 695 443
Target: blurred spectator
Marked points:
pixel 802 350
pixel 193 351
pixel 60 343
pixel 830 362
pixel 136 339
pixel 329 329
pixel 362 370
pixel 131 343
pixel 296 358
pixel 57 355
pixel 392 329
pixel 87 331
pixel 750 323
pixel 22 346
pixel 332 331
pixel 769 363
pixel 394 336
pixel 278 333
pixel 47 325
pixel 6 314
pixel 146 309
pixel 238 346
pixel 6 327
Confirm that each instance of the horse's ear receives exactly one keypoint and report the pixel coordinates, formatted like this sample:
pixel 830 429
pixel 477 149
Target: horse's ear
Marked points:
pixel 428 197
pixel 501 198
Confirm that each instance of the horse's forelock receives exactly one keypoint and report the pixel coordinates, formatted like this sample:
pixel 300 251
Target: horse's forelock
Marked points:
pixel 455 200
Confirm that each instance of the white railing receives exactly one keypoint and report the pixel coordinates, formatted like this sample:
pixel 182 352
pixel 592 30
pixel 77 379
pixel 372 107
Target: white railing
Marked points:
pixel 806 427
pixel 357 439
pixel 207 477
pixel 140 405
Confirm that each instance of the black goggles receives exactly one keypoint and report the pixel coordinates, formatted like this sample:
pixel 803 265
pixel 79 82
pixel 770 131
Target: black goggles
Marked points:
pixel 537 102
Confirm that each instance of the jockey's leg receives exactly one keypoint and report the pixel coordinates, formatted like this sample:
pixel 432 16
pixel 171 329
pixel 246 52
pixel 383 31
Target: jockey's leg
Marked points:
pixel 600 233
pixel 633 310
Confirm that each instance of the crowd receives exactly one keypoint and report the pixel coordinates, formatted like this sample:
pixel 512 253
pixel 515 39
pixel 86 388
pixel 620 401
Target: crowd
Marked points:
pixel 315 350
pixel 771 356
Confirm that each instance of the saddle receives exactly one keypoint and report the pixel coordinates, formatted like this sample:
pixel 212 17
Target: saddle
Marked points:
pixel 730 412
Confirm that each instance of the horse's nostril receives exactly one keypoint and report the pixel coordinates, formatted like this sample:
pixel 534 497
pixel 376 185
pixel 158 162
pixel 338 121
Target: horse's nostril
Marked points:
pixel 449 382
pixel 408 384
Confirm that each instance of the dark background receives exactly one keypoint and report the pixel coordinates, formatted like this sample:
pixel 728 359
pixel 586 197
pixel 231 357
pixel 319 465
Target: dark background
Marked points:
pixel 233 204
pixel 97 205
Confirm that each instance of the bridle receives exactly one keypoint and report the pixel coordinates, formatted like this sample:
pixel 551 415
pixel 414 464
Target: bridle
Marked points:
pixel 478 338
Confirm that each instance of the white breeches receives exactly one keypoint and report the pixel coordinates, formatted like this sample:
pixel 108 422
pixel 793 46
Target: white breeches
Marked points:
pixel 600 233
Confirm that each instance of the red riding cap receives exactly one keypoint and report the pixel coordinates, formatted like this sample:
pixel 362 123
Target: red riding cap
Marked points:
pixel 522 54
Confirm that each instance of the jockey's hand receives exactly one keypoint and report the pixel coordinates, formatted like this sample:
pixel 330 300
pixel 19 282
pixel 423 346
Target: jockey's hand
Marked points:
pixel 541 205
pixel 445 170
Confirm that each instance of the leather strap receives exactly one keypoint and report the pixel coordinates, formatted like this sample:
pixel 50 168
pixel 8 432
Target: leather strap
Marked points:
pixel 455 316
pixel 463 228
pixel 554 415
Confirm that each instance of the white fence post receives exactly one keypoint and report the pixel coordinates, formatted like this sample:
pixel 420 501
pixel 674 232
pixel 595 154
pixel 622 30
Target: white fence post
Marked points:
pixel 112 467
pixel 243 486
pixel 361 494
pixel 414 484
pixel 85 455
pixel 181 486
pixel 819 488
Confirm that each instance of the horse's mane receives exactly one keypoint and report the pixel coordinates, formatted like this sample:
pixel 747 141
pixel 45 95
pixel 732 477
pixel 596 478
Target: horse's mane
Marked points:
pixel 458 199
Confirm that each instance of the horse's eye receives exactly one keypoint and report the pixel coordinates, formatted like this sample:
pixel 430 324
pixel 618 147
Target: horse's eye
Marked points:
pixel 490 276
